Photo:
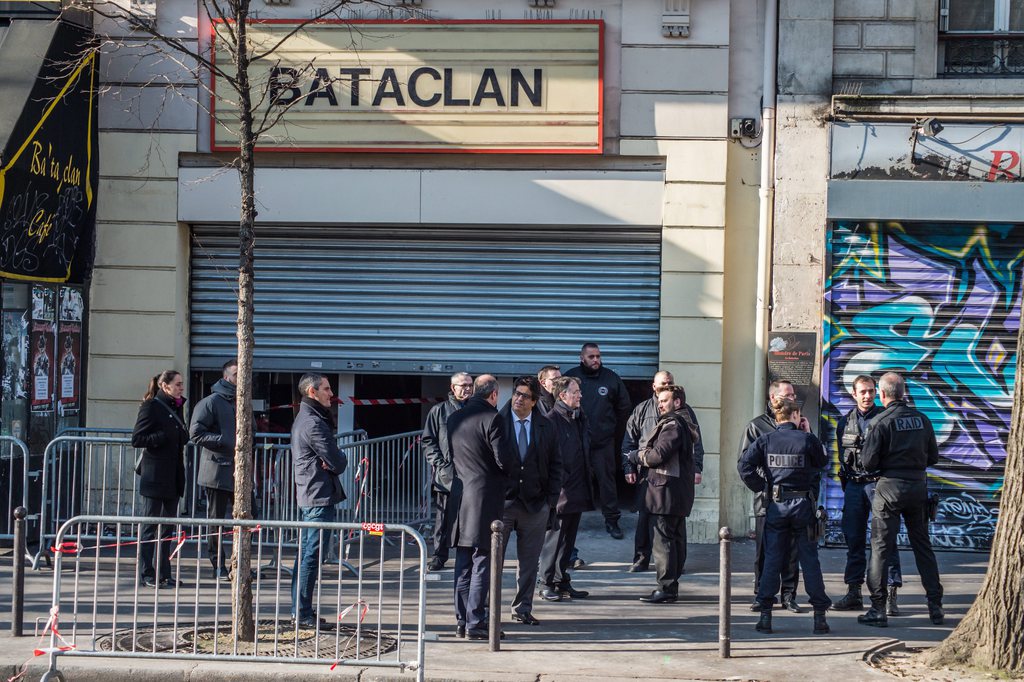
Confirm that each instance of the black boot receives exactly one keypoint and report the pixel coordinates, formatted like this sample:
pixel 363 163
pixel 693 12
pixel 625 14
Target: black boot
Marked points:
pixel 936 614
pixel 875 617
pixel 820 624
pixel 891 609
pixel 764 624
pixel 851 601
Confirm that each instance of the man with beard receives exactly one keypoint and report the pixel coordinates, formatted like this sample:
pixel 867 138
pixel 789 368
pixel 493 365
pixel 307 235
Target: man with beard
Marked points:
pixel 483 461
pixel 639 427
pixel 435 449
pixel 668 456
pixel 576 495
pixel 607 406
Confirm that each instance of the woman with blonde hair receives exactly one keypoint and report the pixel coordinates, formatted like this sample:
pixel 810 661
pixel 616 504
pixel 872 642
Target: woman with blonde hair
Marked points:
pixel 161 434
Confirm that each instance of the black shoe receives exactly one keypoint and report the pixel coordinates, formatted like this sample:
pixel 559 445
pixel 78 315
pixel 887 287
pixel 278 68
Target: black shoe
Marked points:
pixel 613 529
pixel 789 603
pixel 481 633
pixel 549 594
pixel 659 597
pixel 311 623
pixel 222 574
pixel 170 584
pixel 147 581
pixel 525 618
pixel 875 618
pixel 820 624
pixel 891 608
pixel 764 623
pixel 755 606
pixel 435 564
pixel 460 630
pixel 577 563
pixel 851 601
pixel 936 614
pixel 639 566
pixel 572 593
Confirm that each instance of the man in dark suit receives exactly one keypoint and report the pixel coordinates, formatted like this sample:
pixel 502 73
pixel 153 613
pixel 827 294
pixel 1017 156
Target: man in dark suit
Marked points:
pixel 535 481
pixel 483 461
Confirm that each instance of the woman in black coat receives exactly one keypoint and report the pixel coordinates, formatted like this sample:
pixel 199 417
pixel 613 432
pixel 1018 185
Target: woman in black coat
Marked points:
pixel 160 430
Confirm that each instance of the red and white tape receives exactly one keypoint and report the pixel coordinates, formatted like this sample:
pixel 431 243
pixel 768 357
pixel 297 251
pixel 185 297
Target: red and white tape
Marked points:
pixel 361 402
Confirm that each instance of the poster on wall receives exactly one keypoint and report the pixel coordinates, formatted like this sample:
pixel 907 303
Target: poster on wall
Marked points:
pixel 41 343
pixel 791 358
pixel 15 380
pixel 69 351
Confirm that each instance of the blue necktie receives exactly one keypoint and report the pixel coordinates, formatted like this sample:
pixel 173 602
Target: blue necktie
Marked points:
pixel 522 440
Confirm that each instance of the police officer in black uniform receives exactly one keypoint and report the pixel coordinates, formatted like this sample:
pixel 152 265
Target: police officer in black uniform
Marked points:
pixel 787 464
pixel 858 491
pixel 900 444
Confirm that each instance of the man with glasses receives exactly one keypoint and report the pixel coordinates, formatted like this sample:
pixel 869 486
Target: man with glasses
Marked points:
pixel 576 496
pixel 435 448
pixel 534 484
pixel 546 376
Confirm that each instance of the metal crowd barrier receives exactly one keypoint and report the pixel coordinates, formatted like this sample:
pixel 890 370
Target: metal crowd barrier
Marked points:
pixel 102 608
pixel 395 479
pixel 14 466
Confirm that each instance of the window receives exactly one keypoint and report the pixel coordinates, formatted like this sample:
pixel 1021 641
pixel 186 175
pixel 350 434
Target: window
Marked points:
pixel 981 37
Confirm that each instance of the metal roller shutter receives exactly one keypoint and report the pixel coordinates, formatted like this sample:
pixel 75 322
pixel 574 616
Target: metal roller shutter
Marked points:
pixel 426 299
pixel 939 303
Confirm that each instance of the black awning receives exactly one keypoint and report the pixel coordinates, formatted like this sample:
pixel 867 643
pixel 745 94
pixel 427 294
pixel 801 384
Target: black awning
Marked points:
pixel 48 145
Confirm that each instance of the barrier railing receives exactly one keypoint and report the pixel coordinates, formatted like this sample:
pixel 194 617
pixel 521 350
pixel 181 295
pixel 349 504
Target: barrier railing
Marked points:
pixel 395 477
pixel 14 466
pixel 102 607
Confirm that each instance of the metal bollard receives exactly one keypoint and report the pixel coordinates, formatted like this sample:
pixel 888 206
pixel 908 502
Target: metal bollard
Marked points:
pixel 18 598
pixel 497 563
pixel 724 591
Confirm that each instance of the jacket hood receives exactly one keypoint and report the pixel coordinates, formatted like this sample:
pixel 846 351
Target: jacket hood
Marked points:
pixel 225 389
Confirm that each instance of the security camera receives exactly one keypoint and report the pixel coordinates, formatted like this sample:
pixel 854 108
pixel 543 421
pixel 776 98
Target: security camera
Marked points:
pixel 930 127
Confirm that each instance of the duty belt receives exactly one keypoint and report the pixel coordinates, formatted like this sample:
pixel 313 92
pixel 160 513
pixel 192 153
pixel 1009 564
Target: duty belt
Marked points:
pixel 864 479
pixel 780 494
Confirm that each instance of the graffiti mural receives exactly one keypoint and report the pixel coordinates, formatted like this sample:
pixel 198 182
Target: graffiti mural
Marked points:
pixel 939 303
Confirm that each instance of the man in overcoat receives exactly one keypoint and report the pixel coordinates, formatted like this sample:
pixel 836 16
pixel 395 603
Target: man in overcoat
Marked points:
pixel 482 462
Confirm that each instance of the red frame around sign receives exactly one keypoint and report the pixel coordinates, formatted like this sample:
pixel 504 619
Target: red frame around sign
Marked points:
pixel 418 150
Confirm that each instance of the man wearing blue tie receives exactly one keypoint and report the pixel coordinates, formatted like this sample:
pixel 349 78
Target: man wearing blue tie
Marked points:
pixel 534 483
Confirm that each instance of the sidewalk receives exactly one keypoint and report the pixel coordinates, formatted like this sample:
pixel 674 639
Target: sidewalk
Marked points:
pixel 609 636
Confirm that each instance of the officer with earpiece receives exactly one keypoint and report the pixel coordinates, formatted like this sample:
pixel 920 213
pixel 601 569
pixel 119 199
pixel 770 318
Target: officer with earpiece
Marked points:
pixel 787 464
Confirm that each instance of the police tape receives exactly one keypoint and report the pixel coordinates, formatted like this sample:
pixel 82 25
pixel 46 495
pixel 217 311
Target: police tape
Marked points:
pixel 372 402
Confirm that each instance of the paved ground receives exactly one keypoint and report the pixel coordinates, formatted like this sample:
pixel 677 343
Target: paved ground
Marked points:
pixel 610 636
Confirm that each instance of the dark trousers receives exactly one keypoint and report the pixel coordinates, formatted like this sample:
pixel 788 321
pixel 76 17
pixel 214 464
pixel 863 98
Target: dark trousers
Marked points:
pixel 669 550
pixel 219 505
pixel 790 574
pixel 645 530
pixel 471 586
pixel 558 544
pixel 786 525
pixel 442 525
pixel 896 498
pixel 607 465
pixel 856 509
pixel 530 529
pixel 155 506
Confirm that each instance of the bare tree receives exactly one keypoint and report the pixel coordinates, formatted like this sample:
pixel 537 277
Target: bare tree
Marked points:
pixel 991 635
pixel 251 94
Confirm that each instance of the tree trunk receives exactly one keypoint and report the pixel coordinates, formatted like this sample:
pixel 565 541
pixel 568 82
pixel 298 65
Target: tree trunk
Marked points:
pixel 241 596
pixel 991 635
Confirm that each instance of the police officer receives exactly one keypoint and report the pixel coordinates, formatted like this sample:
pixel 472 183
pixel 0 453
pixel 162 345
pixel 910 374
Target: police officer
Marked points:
pixel 858 491
pixel 787 464
pixel 900 444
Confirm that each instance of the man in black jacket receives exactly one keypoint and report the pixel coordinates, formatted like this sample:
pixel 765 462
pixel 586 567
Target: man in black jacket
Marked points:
pixel 667 453
pixel 900 444
pixel 435 448
pixel 213 428
pixel 534 483
pixel 483 461
pixel 576 495
pixel 640 425
pixel 858 492
pixel 546 375
pixel 317 463
pixel 607 406
pixel 759 426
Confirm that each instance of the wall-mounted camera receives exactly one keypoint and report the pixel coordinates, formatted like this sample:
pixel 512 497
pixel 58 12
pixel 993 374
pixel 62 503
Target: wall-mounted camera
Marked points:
pixel 742 127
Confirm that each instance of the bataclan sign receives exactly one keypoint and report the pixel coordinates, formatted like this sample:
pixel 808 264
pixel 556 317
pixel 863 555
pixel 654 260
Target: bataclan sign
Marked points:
pixel 496 86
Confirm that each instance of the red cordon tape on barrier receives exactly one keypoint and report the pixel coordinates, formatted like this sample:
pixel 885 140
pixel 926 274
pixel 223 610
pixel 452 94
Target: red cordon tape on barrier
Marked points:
pixel 362 402
pixel 362 614
pixel 51 626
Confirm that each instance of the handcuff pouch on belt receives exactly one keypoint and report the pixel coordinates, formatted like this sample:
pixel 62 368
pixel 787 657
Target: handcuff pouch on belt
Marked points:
pixel 782 494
